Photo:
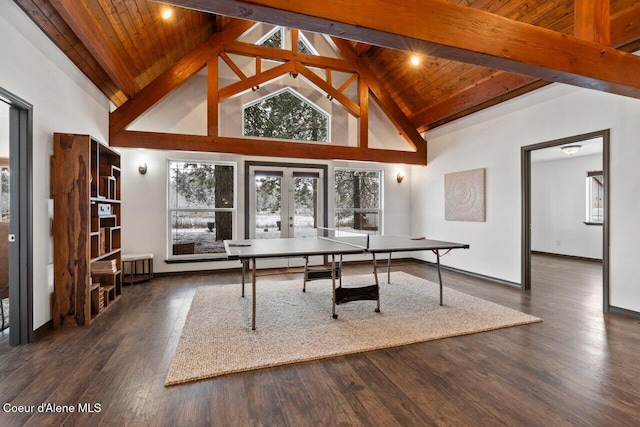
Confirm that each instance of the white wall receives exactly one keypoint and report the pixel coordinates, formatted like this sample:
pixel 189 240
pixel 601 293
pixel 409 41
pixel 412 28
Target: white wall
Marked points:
pixel 558 192
pixel 63 100
pixel 492 139
pixel 144 202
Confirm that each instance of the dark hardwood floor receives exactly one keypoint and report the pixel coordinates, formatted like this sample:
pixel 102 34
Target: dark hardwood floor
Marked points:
pixel 578 367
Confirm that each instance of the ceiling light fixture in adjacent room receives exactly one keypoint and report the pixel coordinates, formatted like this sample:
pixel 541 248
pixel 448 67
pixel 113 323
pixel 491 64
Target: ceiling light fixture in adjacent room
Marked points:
pixel 571 149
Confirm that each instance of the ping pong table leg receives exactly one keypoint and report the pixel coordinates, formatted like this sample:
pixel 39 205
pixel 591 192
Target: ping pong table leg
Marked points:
pixel 389 269
pixel 253 295
pixel 244 273
pixel 306 272
pixel 437 252
pixel 375 275
pixel 333 284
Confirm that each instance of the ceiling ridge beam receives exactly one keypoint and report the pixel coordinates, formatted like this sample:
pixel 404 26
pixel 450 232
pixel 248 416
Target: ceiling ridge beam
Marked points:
pixel 174 77
pixel 443 29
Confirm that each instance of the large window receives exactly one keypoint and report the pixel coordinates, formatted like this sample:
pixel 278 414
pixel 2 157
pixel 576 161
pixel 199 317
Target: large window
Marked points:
pixel 286 114
pixel 358 200
pixel 201 207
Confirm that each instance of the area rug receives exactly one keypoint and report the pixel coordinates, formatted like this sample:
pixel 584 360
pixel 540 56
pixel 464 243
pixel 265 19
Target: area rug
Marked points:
pixel 292 326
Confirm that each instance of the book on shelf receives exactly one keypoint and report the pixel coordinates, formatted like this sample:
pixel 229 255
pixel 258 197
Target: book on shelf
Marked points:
pixel 104 267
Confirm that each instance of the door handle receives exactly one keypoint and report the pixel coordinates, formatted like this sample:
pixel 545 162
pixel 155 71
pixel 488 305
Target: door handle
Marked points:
pixel 11 237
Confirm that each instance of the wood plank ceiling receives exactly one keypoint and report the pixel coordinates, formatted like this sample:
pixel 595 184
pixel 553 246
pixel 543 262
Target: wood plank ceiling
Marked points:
pixel 124 45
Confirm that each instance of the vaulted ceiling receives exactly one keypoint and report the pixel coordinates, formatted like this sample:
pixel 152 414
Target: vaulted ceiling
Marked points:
pixel 472 53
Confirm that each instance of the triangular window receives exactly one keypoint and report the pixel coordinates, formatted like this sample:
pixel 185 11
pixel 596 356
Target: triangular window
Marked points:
pixel 286 114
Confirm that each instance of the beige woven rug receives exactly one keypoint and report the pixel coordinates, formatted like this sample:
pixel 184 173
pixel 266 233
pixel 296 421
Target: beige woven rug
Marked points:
pixel 293 326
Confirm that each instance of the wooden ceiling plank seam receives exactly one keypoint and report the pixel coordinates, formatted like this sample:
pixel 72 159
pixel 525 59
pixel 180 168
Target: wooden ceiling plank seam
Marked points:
pixel 134 35
pixel 351 107
pixel 444 30
pixel 173 77
pixel 262 147
pixel 149 38
pixel 87 29
pixel 228 91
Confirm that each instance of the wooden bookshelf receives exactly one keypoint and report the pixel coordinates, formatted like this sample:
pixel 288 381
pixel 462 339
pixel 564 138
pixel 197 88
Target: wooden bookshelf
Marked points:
pixel 85 186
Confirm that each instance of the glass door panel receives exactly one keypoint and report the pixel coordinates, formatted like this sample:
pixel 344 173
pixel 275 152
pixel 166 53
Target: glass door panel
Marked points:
pixel 268 205
pixel 304 204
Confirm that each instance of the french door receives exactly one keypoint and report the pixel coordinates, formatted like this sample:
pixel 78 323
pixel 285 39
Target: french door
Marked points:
pixel 286 202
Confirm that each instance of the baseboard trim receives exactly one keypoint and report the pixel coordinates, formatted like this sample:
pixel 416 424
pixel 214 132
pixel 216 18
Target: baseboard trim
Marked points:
pixel 579 258
pixel 624 312
pixel 43 330
pixel 471 274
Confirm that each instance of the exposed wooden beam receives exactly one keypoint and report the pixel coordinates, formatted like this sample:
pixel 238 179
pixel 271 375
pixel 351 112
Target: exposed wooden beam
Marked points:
pixel 592 20
pixel 502 86
pixel 102 48
pixel 256 80
pixel 443 29
pixel 247 49
pixel 212 97
pixel 232 65
pixel 261 147
pixel 174 77
pixel 363 128
pixel 384 99
pixel 625 26
pixel 474 100
pixel 313 78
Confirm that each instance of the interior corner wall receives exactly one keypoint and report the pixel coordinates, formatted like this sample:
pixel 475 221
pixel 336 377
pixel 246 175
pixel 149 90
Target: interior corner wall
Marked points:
pixel 63 100
pixel 492 139
pixel 558 207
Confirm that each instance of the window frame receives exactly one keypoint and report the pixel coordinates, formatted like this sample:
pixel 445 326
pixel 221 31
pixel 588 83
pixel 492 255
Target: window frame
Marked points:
pixel 379 210
pixel 298 95
pixel 170 211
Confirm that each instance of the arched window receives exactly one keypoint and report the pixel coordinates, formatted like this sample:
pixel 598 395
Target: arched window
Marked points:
pixel 286 114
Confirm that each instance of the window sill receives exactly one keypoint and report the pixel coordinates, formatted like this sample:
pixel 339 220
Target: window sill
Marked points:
pixel 188 260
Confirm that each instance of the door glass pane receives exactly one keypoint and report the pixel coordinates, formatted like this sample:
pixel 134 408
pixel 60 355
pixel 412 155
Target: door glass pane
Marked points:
pixel 268 206
pixel 305 212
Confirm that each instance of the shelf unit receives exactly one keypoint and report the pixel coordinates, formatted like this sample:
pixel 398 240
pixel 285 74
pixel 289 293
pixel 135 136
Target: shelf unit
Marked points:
pixel 85 186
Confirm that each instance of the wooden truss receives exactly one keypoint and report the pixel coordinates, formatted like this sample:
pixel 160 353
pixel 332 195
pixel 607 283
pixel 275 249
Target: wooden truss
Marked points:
pixel 225 43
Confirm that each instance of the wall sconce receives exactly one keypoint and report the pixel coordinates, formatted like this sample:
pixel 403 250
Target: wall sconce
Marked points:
pixel 400 177
pixel 571 149
pixel 142 168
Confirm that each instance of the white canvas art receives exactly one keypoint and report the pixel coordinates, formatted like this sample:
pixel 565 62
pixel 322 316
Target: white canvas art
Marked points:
pixel 464 196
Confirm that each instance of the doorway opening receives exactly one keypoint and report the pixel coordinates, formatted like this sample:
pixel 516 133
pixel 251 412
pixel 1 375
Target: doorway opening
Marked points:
pixel 590 193
pixel 16 179
pixel 285 200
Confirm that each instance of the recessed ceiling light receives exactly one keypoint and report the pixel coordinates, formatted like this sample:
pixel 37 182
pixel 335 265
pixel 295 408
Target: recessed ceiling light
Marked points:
pixel 166 14
pixel 415 60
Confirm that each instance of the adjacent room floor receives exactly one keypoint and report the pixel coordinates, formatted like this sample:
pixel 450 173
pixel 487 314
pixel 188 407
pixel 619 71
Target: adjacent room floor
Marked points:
pixel 578 367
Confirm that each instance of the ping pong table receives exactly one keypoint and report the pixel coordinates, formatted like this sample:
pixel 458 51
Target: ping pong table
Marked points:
pixel 330 243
